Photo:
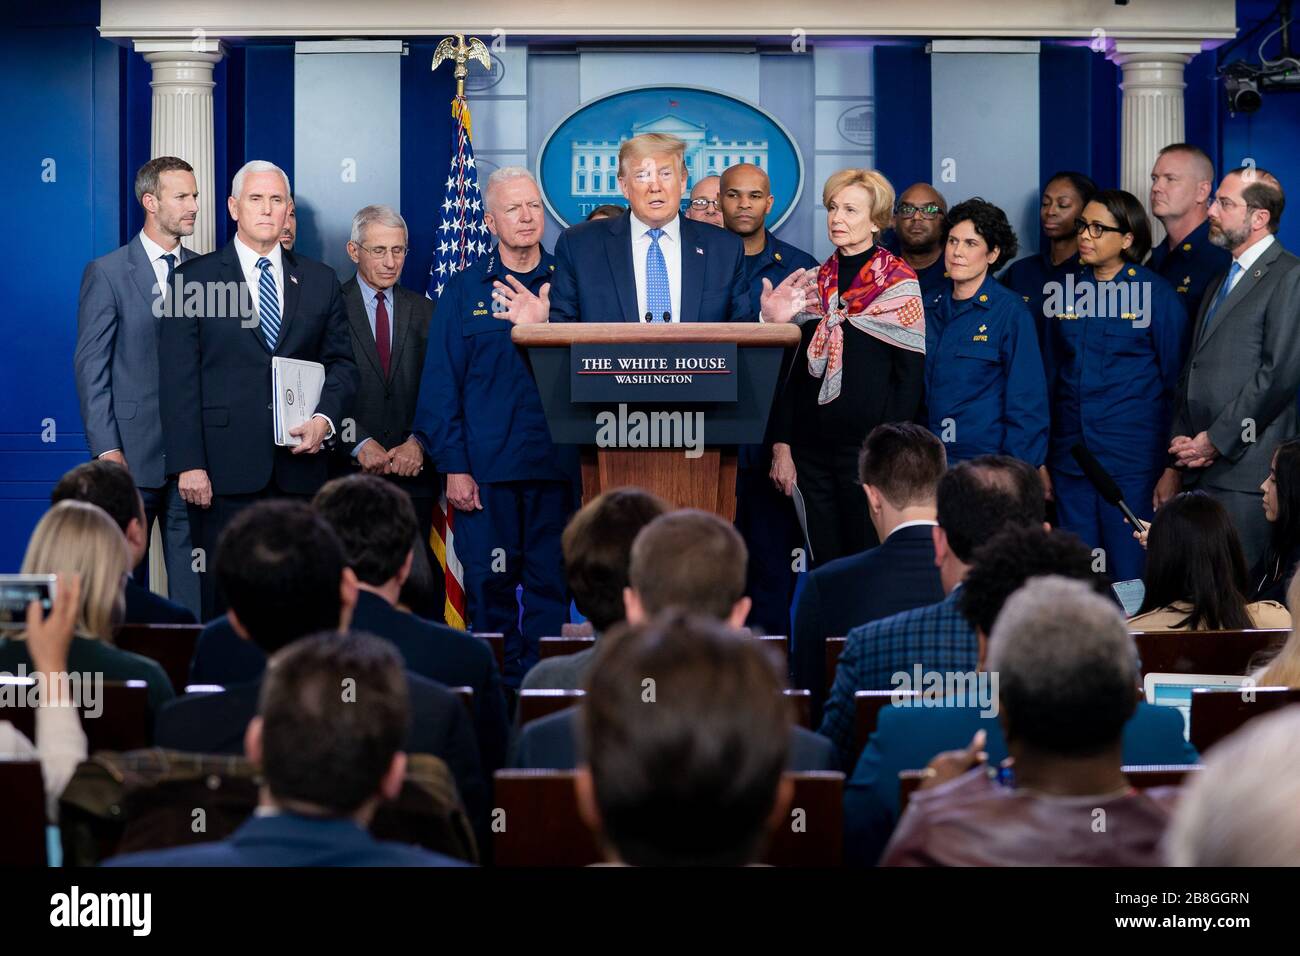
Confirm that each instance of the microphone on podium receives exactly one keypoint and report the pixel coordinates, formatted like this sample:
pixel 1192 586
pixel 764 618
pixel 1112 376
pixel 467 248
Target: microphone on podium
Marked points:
pixel 1105 484
pixel 668 317
pixel 649 317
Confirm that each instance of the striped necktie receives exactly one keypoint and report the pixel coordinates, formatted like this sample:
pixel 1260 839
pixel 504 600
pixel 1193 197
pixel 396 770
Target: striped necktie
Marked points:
pixel 268 303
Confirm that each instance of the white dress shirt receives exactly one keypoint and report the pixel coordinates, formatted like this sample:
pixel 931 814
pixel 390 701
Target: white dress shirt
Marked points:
pixel 154 253
pixel 1247 258
pixel 670 244
pixel 253 275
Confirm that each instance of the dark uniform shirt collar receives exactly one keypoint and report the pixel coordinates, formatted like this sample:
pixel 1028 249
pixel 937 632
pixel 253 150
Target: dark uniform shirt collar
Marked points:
pixel 494 268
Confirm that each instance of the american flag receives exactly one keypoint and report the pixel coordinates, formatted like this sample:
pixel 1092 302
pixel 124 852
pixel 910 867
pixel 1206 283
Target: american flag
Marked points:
pixel 462 238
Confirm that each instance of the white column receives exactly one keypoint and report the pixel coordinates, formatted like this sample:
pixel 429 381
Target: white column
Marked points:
pixel 182 118
pixel 1152 114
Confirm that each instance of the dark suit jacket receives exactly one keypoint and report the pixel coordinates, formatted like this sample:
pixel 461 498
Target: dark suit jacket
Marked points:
pixel 594 280
pixel 908 738
pixel 896 575
pixel 448 656
pixel 116 361
pixel 287 839
pixel 551 743
pixel 214 723
pixel 385 405
pixel 145 607
pixel 1246 365
pixel 216 375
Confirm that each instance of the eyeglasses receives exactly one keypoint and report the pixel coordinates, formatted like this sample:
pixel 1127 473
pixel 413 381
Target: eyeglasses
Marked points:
pixel 1095 229
pixel 378 252
pixel 1230 204
pixel 702 204
pixel 931 210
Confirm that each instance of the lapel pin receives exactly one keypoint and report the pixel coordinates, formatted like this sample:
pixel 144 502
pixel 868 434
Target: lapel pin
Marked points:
pixel 699 251
pixel 1258 273
pixel 293 279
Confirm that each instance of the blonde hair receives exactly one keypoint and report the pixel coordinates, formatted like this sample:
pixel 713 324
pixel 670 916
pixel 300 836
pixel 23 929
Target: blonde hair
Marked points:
pixel 1283 670
pixel 876 185
pixel 648 144
pixel 75 537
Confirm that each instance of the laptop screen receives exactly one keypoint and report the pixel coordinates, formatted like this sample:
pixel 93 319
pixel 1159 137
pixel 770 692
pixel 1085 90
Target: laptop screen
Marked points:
pixel 1175 690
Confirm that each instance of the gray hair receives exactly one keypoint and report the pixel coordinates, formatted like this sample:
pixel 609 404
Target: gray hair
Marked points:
pixel 504 175
pixel 257 166
pixel 377 215
pixel 1241 809
pixel 1067 667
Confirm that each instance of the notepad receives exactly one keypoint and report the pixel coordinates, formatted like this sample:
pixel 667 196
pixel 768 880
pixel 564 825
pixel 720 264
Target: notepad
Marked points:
pixel 296 385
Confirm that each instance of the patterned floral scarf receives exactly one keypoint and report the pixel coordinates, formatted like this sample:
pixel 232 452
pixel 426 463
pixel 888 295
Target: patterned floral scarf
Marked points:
pixel 884 301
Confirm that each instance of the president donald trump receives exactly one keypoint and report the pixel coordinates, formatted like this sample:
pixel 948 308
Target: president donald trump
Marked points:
pixel 652 265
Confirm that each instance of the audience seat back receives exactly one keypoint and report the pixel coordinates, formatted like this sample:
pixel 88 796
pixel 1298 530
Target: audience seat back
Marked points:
pixel 1205 652
pixel 22 808
pixel 171 645
pixel 1216 714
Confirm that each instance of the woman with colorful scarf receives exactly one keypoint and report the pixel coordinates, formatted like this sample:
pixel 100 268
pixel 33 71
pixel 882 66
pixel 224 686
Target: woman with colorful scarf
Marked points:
pixel 861 363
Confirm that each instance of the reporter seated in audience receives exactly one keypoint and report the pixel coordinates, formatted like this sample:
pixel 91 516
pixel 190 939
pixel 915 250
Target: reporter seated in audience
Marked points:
pixel 1240 810
pixel 376 523
pixel 1067 671
pixel 597 545
pixel 1270 577
pixel 60 742
pixel 907 737
pixel 976 499
pixel 1282 667
pixel 327 761
pixel 1196 573
pixel 111 487
pixel 686 560
pixel 900 467
pixel 696 778
pixel 74 537
pixel 284 574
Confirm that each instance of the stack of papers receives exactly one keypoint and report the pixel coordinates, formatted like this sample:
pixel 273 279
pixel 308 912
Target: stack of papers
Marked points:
pixel 296 386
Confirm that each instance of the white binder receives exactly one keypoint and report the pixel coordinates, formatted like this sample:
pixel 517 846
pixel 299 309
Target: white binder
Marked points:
pixel 296 386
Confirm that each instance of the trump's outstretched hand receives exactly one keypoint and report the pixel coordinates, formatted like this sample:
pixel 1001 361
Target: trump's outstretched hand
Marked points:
pixel 519 305
pixel 785 301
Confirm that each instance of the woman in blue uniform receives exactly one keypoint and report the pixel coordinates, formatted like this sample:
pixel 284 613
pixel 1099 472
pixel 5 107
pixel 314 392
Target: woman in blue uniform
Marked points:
pixel 1116 345
pixel 985 390
pixel 1063 199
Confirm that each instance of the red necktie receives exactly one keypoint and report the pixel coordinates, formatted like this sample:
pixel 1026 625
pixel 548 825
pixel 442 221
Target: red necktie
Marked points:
pixel 381 331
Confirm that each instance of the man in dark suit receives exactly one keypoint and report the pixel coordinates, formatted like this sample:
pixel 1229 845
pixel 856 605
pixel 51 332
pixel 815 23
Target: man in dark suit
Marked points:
pixel 285 572
pixel 1237 399
pixel 109 486
pixel 684 560
pixel 390 332
pixel 652 265
pixel 327 760
pixel 375 522
pixel 900 468
pixel 229 313
pixel 116 361
pixel 908 737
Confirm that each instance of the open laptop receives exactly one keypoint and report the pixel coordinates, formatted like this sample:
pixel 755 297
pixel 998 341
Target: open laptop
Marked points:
pixel 1175 690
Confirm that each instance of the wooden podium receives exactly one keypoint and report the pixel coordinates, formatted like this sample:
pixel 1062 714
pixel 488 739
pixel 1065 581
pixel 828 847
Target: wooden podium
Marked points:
pixel 715 382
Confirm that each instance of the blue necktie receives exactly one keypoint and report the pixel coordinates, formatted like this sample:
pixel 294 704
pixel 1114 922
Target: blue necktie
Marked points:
pixel 1223 294
pixel 658 297
pixel 268 304
pixel 170 259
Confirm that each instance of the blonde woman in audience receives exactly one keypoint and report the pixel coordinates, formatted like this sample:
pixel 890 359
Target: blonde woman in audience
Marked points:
pixel 1196 578
pixel 79 538
pixel 1283 670
pixel 60 742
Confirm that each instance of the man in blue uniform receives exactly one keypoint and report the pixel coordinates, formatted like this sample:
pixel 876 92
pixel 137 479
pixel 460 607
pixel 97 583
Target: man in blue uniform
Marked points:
pixel 764 517
pixel 652 265
pixel 985 389
pixel 480 419
pixel 1182 182
pixel 920 228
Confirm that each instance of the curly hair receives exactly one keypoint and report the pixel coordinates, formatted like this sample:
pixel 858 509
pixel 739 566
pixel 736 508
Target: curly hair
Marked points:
pixel 990 224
